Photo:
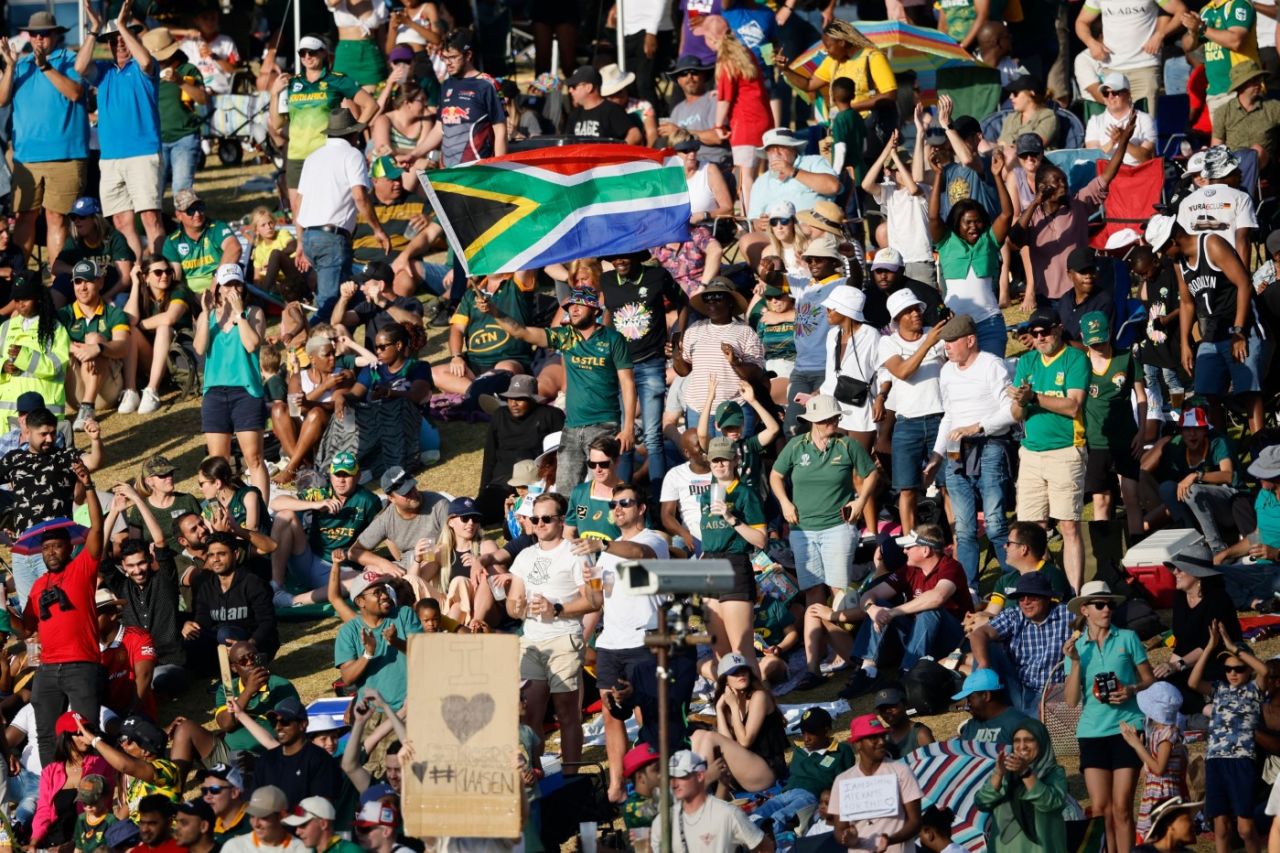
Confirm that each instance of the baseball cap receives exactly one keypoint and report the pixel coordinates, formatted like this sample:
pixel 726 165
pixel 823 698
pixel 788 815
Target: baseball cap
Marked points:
pixel 913 539
pixel 639 757
pixel 385 167
pixel 91 788
pixel 404 53
pixel 1082 258
pixel 887 258
pixel 582 296
pixel 935 136
pixel 731 663
pixel 888 696
pixel 1043 318
pixel 395 480
pixel 585 74
pixel 891 553
pixel 959 326
pixel 979 681
pixel 1024 83
pixel 29 401
pixel 463 508
pixel 86 206
pixel 199 808
pixel 309 809
pixel 815 721
pixel 267 800
pixel 966 125
pixel 684 763
pixel 376 813
pixel 184 199
pixel 288 709
pixel 1195 164
pixel 365 581
pixel 865 726
pixel 1095 328
pixel 344 463
pixel 729 414
pixel 228 273
pixel 145 733
pixel 782 209
pixel 1114 82
pixel 1194 417
pixel 154 466
pixel 720 448
pixel 1029 143
pixel 86 270
pixel 228 773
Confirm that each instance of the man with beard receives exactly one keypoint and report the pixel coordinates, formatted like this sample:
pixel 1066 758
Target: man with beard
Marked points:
pixel 227 604
pixel 193 826
pixel 60 610
pixel 371 649
pixel 412 516
pixel 155 826
pixel 193 534
pixel 297 766
pixel 600 395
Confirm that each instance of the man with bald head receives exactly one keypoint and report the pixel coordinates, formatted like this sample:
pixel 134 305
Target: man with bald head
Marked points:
pixel 682 488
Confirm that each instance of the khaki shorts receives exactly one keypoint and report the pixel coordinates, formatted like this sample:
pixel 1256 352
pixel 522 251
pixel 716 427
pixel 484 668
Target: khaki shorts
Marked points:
pixel 110 384
pixel 53 185
pixel 557 661
pixel 130 184
pixel 1051 484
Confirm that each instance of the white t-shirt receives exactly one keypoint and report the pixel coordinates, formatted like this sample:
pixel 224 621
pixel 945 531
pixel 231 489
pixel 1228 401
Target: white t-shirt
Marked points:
pixel 248 843
pixel 1088 71
pixel 222 47
pixel 979 394
pixel 1126 26
pixel 861 355
pixel 1265 27
pixel 868 829
pixel 627 617
pixel 1100 126
pixel 556 575
pixel 328 174
pixel 1219 209
pixel 682 484
pixel 919 395
pixel 907 216
pixel 717 827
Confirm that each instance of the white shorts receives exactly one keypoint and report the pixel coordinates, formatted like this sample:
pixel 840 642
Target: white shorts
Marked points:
pixel 745 155
pixel 130 183
pixel 780 367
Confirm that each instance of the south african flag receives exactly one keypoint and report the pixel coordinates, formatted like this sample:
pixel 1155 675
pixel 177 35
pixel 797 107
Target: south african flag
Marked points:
pixel 551 205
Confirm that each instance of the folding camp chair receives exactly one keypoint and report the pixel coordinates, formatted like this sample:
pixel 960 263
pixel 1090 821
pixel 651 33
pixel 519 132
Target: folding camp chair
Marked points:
pixel 1173 116
pixel 1131 198
pixel 1077 164
pixel 1070 130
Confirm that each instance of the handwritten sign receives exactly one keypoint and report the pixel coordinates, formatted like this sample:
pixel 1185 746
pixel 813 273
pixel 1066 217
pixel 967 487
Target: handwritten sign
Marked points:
pixel 868 797
pixel 464 723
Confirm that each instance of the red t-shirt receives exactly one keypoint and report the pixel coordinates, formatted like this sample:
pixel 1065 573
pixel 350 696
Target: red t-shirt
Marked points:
pixel 166 846
pixel 129 646
pixel 70 634
pixel 913 582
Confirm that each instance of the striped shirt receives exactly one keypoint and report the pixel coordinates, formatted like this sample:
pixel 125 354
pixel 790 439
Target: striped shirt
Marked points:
pixel 701 348
pixel 1036 649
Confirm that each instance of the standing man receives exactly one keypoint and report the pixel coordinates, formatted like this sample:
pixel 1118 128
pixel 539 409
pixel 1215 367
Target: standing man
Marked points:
pixel 549 593
pixel 716 826
pixel 50 131
pixel 973 441
pixel 600 392
pixel 371 651
pixel 128 126
pixel 1228 31
pixel 636 297
pixel 682 490
pixel 1048 398
pixel 62 613
pixel 1131 35
pixel 333 186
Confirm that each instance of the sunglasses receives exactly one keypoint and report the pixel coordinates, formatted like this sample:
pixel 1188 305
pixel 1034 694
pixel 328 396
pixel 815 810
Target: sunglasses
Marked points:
pixel 468 519
pixel 1101 604
pixel 599 463
pixel 194 209
pixel 1040 333
pixel 214 790
pixel 780 220
pixel 1238 670
pixel 161 272
pixel 625 503
pixel 380 347
pixel 544 519
pixel 308 52
pixel 715 297
pixel 247 660
pixel 1030 155
pixel 689 73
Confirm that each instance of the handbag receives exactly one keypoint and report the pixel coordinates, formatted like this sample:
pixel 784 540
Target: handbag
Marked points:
pixel 849 391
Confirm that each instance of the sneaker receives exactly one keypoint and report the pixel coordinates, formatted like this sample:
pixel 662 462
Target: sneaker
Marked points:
pixel 150 402
pixel 129 402
pixel 811 681
pixel 85 415
pixel 445 314
pixel 860 683
pixel 282 599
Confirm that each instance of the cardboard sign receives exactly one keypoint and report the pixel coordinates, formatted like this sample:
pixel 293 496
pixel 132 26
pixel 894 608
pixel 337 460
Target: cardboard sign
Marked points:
pixel 869 797
pixel 464 707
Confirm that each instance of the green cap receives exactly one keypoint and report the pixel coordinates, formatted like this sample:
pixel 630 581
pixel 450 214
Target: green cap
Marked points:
pixel 1095 328
pixel 344 463
pixel 729 414
pixel 385 167
pixel 720 448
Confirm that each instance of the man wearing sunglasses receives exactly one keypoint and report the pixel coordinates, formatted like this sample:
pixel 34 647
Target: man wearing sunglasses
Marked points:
pixel 549 592
pixel 200 245
pixel 696 112
pixel 1048 398
pixel 620 648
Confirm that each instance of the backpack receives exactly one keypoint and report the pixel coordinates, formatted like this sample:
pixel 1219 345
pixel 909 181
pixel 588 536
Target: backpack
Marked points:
pixel 929 687
pixel 184 367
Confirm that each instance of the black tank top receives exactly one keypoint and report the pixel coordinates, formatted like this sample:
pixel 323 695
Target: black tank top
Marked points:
pixel 1212 293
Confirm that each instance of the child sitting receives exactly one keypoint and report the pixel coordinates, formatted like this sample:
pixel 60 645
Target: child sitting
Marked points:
pixel 273 250
pixel 815 764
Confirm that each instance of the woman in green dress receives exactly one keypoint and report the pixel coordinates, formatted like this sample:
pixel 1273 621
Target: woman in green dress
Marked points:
pixel 1025 795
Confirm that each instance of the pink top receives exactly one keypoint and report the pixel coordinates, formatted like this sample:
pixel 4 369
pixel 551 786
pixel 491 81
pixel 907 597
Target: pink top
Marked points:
pixel 52 780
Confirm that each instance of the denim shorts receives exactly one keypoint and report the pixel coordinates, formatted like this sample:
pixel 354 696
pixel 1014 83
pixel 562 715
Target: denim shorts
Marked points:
pixel 913 440
pixel 824 556
pixel 226 410
pixel 1215 367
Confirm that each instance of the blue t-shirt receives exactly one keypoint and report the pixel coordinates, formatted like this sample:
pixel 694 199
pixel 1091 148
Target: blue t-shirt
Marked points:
pixel 388 671
pixel 963 182
pixel 128 109
pixel 754 26
pixel 46 126
pixel 469 109
pixel 1236 713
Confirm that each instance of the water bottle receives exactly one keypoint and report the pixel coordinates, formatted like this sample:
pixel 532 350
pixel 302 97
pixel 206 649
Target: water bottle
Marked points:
pixel 33 650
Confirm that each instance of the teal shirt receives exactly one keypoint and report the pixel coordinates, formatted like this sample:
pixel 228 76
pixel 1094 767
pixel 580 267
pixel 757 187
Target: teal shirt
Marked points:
pixel 228 363
pixel 1121 653
pixel 1267 507
pixel 388 672
pixel 593 392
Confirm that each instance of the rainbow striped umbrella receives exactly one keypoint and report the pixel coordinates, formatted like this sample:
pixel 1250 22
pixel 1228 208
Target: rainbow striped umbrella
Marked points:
pixel 912 48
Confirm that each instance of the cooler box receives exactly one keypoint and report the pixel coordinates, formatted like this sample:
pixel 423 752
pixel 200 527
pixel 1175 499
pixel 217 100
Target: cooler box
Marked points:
pixel 1145 561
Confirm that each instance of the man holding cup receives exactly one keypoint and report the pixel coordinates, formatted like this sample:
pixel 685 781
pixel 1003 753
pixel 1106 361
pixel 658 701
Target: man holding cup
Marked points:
pixel 549 592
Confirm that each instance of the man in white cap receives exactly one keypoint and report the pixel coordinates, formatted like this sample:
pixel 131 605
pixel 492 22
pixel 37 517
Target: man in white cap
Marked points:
pixel 1217 205
pixel 266 809
pixel 911 361
pixel 703 824
pixel 312 822
pixel 1104 129
pixel 891 274
pixel 802 179
pixel 1129 38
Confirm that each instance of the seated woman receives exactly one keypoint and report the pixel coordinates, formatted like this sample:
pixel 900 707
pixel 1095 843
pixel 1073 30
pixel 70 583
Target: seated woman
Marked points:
pixel 312 389
pixel 401 130
pixel 1025 794
pixel 93 238
pixel 454 574
pixel 386 400
pixel 155 485
pixel 159 308
pixel 787 242
pixel 224 491
pixel 748 750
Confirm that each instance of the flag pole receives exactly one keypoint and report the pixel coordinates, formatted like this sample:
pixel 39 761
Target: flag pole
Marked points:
pixel 622 38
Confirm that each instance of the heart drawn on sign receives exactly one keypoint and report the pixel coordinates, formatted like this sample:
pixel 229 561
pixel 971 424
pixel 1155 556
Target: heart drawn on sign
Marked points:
pixel 420 770
pixel 464 717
